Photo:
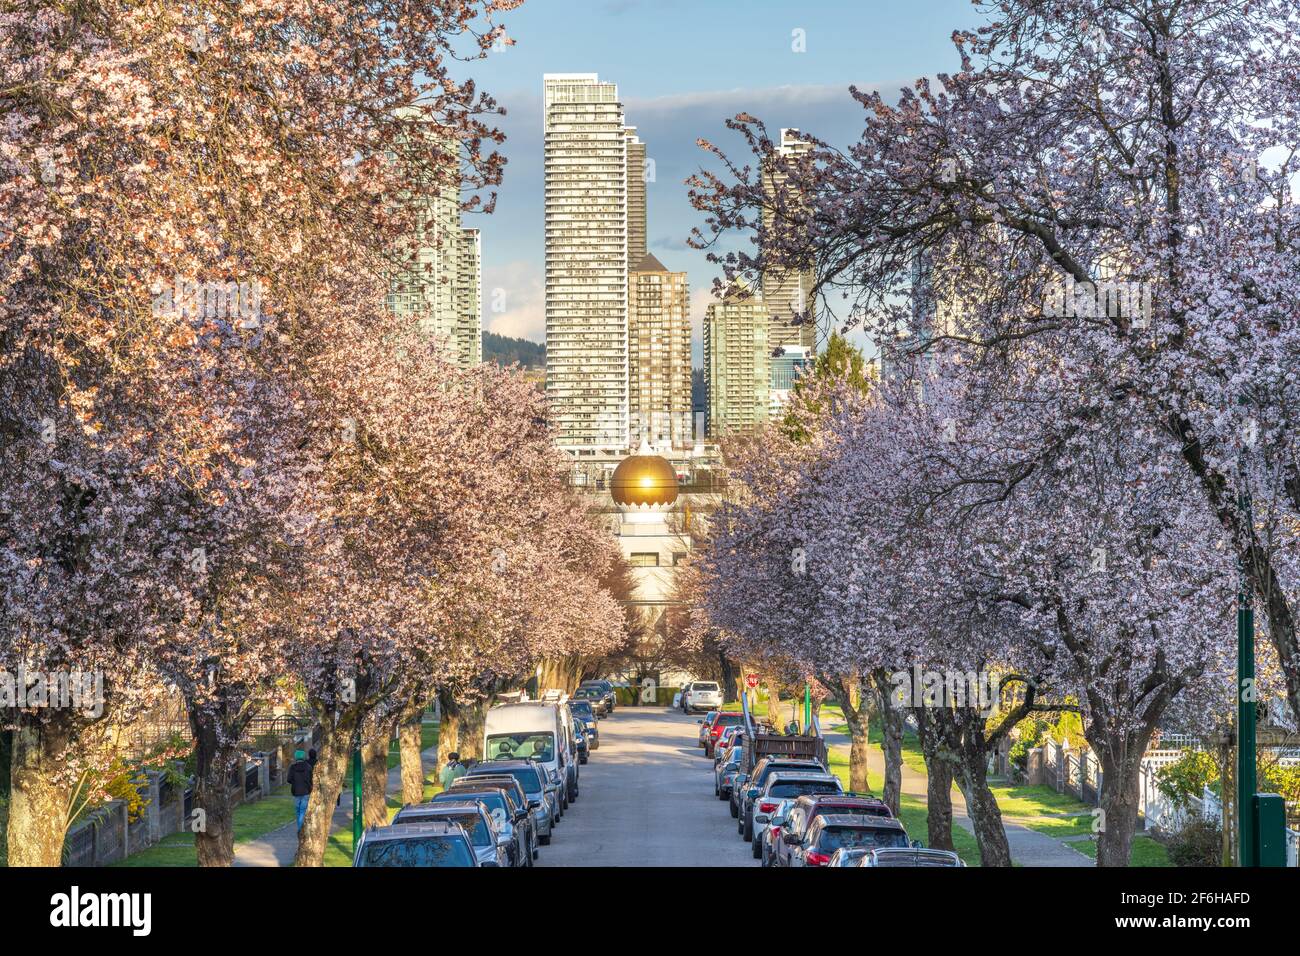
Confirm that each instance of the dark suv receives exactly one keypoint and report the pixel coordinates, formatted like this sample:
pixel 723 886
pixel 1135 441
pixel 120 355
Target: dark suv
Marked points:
pixel 800 815
pixel 607 694
pixel 749 786
pixel 835 831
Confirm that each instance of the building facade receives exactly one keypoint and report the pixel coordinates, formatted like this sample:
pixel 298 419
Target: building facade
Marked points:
pixel 787 291
pixel 637 173
pixel 659 354
pixel 586 219
pixel 786 369
pixel 437 280
pixel 737 364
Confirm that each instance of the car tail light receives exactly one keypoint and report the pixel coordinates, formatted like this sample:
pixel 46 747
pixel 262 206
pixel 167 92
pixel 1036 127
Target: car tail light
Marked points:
pixel 818 859
pixel 766 807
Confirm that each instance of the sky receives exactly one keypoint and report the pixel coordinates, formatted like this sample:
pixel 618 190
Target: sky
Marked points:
pixel 682 68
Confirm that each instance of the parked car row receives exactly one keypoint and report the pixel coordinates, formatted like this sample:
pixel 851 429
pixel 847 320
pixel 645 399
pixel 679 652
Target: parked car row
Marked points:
pixel 507 805
pixel 794 812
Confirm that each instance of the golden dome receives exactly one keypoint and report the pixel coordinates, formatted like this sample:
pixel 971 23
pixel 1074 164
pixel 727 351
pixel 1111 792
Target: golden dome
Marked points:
pixel 643 480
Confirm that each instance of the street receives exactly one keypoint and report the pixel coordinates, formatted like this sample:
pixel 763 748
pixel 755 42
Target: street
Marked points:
pixel 647 800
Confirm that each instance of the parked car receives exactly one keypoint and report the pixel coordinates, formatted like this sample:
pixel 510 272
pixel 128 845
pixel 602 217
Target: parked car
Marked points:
pixel 607 692
pixel 593 696
pixel 720 745
pixel 541 791
pixel 803 810
pixel 580 739
pixel 540 730
pixel 706 725
pixel 748 786
pixel 512 817
pixel 834 831
pixel 701 695
pixel 583 711
pixel 785 785
pixel 725 772
pixel 912 856
pixel 415 844
pixel 491 843
pixel 721 721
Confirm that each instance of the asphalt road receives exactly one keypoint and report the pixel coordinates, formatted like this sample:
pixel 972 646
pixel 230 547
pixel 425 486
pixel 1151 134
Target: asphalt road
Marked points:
pixel 646 799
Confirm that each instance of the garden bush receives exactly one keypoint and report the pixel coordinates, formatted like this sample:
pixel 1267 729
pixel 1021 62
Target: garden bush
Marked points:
pixel 1199 843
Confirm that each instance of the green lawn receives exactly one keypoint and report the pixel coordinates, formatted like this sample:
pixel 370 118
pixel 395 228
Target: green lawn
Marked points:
pixel 1146 852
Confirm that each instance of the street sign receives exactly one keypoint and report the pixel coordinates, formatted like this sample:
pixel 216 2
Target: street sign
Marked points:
pixel 751 681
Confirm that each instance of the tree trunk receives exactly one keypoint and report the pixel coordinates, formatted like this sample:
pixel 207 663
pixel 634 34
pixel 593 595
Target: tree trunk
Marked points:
pixel 408 745
pixel 39 794
pixel 470 734
pixel 891 741
pixel 730 678
pixel 448 729
pixel 327 783
pixel 938 786
pixel 374 778
pixel 1120 756
pixel 774 706
pixel 849 693
pixel 214 825
pixel 983 810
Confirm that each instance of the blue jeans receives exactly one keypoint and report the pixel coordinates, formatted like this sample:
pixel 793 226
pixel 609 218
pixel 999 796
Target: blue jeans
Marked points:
pixel 300 804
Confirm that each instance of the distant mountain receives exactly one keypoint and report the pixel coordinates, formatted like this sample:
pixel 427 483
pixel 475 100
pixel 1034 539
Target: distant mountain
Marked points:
pixel 505 350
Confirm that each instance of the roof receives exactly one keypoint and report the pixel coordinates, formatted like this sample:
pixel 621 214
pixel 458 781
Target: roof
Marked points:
pixel 786 776
pixel 858 822
pixel 408 831
pixel 499 768
pixel 649 263
pixel 903 856
pixel 844 800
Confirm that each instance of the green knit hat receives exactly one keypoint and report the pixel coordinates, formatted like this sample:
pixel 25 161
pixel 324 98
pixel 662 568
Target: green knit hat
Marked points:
pixel 299 755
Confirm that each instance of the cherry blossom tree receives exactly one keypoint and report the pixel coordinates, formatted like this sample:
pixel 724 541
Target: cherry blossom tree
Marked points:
pixel 1119 173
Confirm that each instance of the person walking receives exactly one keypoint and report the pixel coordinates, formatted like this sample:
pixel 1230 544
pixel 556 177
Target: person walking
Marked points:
pixel 300 774
pixel 452 771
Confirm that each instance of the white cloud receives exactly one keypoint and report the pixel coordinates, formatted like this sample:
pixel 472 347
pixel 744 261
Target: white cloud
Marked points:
pixel 517 288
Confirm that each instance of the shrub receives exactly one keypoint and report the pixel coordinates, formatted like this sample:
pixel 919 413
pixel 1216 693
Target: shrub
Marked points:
pixel 1187 777
pixel 1199 843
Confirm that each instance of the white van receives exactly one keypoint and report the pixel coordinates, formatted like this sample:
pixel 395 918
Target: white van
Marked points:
pixel 535 730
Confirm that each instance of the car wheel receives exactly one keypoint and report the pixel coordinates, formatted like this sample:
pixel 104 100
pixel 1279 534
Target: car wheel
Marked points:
pixel 756 849
pixel 544 840
pixel 748 831
pixel 735 810
pixel 740 824
pixel 722 795
pixel 582 759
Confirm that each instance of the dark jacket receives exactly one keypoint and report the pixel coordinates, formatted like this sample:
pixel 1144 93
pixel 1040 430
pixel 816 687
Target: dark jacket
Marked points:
pixel 300 778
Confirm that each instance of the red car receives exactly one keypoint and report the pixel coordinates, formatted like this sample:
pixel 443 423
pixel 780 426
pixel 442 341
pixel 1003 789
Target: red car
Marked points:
pixel 721 720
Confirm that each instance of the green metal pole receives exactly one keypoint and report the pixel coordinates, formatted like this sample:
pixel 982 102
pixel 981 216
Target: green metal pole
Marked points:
pixel 356 797
pixel 807 708
pixel 1245 709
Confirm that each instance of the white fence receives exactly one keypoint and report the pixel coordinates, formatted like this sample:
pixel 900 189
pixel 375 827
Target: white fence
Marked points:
pixel 1078 772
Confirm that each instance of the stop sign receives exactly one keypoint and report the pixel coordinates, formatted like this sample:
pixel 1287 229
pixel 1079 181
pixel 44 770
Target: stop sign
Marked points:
pixel 751 681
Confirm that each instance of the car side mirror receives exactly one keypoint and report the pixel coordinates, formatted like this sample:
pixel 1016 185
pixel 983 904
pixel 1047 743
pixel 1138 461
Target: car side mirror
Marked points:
pixel 699 721
pixel 534 804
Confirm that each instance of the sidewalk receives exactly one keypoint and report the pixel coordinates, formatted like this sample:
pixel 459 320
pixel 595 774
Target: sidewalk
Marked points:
pixel 1028 847
pixel 278 847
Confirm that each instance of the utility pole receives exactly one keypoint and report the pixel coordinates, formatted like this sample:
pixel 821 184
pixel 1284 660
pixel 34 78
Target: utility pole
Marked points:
pixel 356 794
pixel 1246 697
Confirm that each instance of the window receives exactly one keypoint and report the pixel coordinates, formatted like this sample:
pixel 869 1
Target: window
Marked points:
pixel 678 557
pixel 644 559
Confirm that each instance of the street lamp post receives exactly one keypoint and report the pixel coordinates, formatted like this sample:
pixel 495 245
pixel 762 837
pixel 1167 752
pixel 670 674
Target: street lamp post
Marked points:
pixel 356 795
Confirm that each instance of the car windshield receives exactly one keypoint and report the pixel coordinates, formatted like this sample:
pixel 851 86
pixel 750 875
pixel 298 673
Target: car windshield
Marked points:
pixel 582 709
pixel 728 719
pixel 587 692
pixel 704 687
pixel 797 788
pixel 418 851
pixel 734 755
pixel 832 838
pixel 538 745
